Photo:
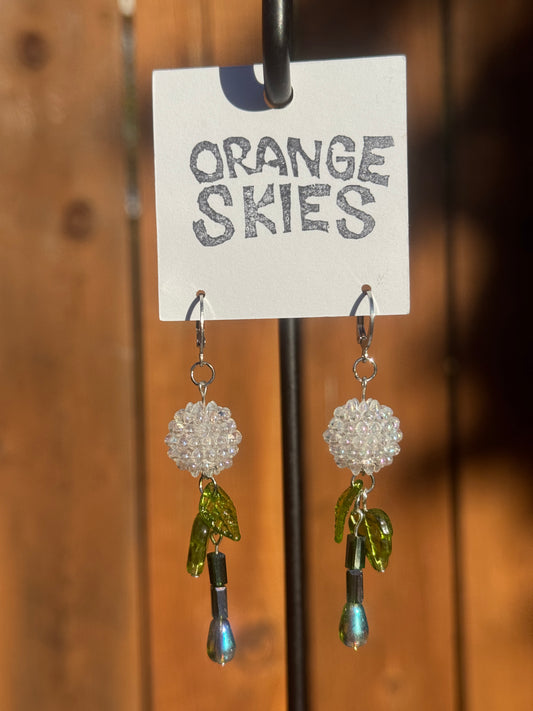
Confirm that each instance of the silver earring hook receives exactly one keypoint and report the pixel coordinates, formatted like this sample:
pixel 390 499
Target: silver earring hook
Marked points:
pixel 200 343
pixel 200 327
pixel 364 338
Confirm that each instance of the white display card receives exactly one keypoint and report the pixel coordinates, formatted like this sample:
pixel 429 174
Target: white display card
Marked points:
pixel 287 212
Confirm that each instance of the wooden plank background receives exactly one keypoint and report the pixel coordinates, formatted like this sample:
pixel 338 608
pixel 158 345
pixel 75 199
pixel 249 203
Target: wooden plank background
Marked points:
pixel 68 516
pixel 96 609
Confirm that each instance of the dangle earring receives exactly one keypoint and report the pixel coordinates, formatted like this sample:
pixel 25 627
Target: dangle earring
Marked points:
pixel 203 439
pixel 363 436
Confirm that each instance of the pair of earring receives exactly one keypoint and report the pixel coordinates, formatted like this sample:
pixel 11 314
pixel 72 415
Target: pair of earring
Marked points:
pixel 363 436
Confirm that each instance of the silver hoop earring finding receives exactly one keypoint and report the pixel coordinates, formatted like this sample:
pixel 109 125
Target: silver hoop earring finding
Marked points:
pixel 363 436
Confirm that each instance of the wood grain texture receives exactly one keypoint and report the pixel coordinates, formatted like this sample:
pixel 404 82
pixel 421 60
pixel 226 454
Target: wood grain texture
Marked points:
pixel 68 600
pixel 409 659
pixel 459 494
pixel 491 58
pixel 180 34
pixel 412 607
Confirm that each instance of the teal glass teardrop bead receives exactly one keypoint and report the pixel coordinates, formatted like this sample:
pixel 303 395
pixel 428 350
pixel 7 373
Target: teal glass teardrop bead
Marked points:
pixel 353 627
pixel 220 641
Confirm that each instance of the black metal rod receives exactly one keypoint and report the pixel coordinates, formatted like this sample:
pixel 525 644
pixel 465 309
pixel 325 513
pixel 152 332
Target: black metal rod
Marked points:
pixel 277 16
pixel 289 347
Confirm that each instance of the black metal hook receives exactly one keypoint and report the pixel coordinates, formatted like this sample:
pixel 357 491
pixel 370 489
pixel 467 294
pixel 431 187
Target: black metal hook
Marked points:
pixel 277 16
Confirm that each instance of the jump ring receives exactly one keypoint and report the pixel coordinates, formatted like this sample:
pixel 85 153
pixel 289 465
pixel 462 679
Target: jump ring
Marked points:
pixel 202 364
pixel 365 379
pixel 372 485
pixel 209 478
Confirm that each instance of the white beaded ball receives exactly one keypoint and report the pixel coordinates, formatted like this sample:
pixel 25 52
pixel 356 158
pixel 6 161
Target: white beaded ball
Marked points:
pixel 203 439
pixel 363 436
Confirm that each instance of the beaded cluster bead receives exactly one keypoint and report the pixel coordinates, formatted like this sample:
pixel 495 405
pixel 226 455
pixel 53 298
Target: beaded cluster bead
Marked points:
pixel 363 436
pixel 203 438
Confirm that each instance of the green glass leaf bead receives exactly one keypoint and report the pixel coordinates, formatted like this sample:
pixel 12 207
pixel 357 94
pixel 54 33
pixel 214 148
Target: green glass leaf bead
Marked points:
pixel 218 512
pixel 344 503
pixel 378 530
pixel 197 546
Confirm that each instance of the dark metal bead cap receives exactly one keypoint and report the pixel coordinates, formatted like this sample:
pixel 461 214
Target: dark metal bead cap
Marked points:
pixel 355 552
pixel 219 603
pixel 216 563
pixel 354 586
